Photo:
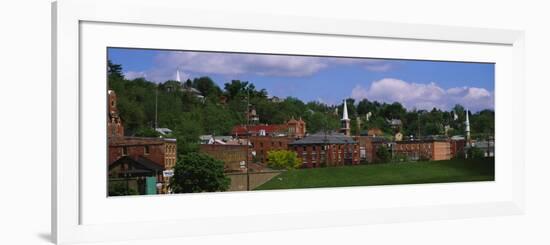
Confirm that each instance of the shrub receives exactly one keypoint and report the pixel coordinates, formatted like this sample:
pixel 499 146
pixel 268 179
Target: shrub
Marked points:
pixel 475 153
pixel 283 159
pixel 383 154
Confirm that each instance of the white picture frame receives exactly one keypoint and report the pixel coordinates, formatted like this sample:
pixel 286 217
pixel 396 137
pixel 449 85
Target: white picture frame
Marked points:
pixel 69 200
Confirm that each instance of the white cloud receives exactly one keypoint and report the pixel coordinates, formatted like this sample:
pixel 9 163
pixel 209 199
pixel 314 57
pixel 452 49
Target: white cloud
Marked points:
pixel 424 96
pixel 235 64
pixel 134 74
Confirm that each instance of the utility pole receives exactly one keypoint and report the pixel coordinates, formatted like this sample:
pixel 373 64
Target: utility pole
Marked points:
pixel 247 138
pixel 156 106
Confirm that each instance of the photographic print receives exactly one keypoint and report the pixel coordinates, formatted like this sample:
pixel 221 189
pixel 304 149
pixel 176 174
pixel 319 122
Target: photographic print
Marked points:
pixel 198 121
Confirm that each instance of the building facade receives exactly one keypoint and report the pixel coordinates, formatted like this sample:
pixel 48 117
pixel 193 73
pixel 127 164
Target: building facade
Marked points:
pixel 433 150
pixel 321 150
pixel 292 128
pixel 131 157
pixel 262 145
pixel 114 122
pixel 234 156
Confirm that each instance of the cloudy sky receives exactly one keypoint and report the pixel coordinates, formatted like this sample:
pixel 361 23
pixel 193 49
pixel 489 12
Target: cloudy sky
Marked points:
pixel 415 84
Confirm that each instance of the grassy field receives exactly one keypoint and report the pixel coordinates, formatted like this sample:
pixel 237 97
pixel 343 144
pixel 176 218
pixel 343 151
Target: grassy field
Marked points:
pixel 385 174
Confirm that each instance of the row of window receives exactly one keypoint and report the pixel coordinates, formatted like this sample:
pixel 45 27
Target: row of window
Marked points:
pixel 146 149
pixel 272 144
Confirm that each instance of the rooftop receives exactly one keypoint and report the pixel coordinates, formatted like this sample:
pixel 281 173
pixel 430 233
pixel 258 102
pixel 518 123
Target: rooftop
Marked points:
pixel 324 139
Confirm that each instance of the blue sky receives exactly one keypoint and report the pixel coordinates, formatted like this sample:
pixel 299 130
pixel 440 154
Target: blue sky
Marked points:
pixel 414 83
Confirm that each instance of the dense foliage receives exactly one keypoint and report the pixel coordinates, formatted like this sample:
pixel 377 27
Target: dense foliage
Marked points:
pixel 283 159
pixel 222 108
pixel 197 172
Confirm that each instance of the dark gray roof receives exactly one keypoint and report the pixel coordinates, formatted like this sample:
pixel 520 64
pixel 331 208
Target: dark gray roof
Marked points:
pixel 324 139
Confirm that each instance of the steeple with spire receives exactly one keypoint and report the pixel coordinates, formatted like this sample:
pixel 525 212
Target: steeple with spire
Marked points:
pixel 345 121
pixel 178 75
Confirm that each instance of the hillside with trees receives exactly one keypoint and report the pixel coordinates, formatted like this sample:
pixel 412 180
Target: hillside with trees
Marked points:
pixel 220 109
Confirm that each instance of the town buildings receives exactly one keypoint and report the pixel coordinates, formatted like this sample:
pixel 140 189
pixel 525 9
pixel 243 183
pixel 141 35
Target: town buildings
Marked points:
pixel 292 128
pixel 328 149
pixel 136 158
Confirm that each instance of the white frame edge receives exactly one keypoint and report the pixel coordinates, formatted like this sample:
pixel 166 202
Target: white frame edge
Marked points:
pixel 66 16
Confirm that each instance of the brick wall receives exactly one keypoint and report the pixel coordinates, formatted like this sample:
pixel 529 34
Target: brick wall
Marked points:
pixel 263 144
pixel 231 155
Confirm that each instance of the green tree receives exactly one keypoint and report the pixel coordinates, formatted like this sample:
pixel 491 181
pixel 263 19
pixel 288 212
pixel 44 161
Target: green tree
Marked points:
pixel 383 154
pixel 283 159
pixel 197 172
pixel 475 153
pixel 114 71
pixel 207 87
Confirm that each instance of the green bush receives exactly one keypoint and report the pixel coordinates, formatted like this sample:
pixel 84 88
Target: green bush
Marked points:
pixel 383 154
pixel 475 153
pixel 283 159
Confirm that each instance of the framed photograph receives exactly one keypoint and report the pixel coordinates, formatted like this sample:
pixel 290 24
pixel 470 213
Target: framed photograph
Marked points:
pixel 169 125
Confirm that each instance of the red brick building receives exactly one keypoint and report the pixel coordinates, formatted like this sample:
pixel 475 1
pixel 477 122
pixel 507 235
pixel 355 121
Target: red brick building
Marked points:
pixel 161 151
pixel 368 146
pixel 261 145
pixel 230 154
pixel 434 150
pixel 326 150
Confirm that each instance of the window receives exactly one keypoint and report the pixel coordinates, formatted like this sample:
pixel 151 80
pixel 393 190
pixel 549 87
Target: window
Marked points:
pixel 146 150
pixel 280 144
pixel 124 151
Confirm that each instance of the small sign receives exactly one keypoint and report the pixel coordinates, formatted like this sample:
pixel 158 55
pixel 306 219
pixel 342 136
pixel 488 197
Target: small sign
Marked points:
pixel 243 164
pixel 168 173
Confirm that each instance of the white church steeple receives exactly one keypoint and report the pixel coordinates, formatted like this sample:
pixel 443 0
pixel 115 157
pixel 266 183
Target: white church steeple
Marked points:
pixel 345 121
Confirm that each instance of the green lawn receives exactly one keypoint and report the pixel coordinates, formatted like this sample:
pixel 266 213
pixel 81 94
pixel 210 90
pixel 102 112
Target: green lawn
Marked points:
pixel 385 174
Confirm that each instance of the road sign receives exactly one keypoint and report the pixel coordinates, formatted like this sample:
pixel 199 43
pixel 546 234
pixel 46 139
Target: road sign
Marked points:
pixel 168 173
